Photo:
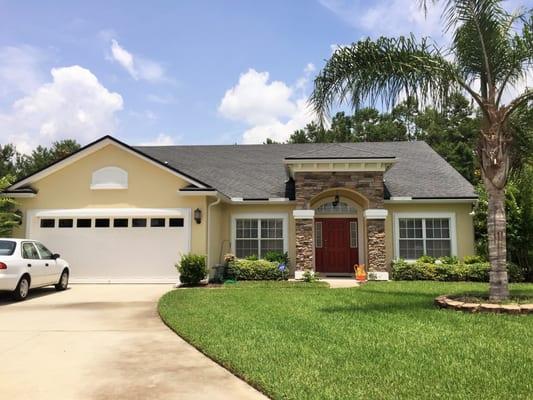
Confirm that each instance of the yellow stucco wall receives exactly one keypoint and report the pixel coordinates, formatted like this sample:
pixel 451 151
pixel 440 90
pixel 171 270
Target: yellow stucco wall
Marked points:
pixel 464 225
pixel 222 226
pixel 148 186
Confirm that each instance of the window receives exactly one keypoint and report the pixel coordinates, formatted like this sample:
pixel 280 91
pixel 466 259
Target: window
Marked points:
pixel 83 223
pixel 45 253
pixel 175 222
pixel 257 237
pixel 7 247
pixel 48 223
pixel 101 223
pixel 120 223
pixel 109 178
pixel 138 222
pixel 353 234
pixel 318 235
pixel 157 222
pixel 66 223
pixel 424 236
pixel 29 251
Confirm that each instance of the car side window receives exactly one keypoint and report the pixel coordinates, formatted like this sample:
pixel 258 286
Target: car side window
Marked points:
pixel 29 251
pixel 45 253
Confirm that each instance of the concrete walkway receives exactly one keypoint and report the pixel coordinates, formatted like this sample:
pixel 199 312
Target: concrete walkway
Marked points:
pixel 339 283
pixel 103 342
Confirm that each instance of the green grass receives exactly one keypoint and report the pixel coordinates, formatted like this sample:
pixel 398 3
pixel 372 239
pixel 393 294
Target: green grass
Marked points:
pixel 384 340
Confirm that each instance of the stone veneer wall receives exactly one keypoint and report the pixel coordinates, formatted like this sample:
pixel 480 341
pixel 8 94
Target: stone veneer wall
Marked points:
pixel 304 244
pixel 310 184
pixel 376 254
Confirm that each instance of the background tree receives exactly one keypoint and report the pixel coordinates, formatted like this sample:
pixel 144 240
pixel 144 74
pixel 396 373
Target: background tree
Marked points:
pixel 8 216
pixel 488 55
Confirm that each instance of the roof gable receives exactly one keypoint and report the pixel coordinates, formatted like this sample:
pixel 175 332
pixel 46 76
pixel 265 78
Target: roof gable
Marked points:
pixel 91 148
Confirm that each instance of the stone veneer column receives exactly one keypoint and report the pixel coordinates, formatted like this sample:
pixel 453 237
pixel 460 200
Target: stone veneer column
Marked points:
pixel 376 256
pixel 304 240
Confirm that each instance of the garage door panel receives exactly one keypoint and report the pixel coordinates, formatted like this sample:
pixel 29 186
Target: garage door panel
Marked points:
pixel 128 254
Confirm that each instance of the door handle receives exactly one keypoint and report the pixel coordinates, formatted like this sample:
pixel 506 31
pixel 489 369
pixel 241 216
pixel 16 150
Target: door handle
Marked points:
pixel 29 265
pixel 46 265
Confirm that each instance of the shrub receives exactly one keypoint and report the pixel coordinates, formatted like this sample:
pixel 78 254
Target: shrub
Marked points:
pixel 277 256
pixel 251 257
pixel 426 259
pixel 310 276
pixel 256 270
pixel 449 260
pixel 192 269
pixel 474 259
pixel 474 272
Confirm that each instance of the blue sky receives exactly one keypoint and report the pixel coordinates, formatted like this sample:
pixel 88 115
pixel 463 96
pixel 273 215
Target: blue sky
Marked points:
pixel 175 72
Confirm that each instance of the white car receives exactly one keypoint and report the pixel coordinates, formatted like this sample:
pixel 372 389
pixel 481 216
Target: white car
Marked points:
pixel 27 264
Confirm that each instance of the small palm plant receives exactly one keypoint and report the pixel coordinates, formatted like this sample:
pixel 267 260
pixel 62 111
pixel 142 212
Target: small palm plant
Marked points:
pixel 9 218
pixel 491 51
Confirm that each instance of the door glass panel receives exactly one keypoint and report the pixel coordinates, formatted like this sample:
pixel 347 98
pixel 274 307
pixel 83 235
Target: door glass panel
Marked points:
pixel 48 223
pixel 101 222
pixel 45 253
pixel 353 234
pixel 318 235
pixel 120 223
pixel 83 223
pixel 29 251
pixel 138 222
pixel 66 223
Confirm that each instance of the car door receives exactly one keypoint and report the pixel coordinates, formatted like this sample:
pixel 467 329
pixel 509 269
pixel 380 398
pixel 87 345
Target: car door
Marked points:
pixel 35 265
pixel 50 264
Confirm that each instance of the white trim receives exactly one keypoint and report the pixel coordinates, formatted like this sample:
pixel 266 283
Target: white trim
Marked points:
pixel 19 195
pixel 111 212
pixel 89 150
pixel 278 199
pixel 339 160
pixel 399 200
pixel 376 213
pixel 265 215
pixel 237 199
pixel 212 193
pixel 303 214
pixel 396 228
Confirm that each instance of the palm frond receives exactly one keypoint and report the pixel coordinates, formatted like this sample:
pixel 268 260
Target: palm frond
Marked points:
pixel 386 69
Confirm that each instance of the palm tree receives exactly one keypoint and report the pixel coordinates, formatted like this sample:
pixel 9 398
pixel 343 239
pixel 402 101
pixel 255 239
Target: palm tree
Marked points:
pixel 491 51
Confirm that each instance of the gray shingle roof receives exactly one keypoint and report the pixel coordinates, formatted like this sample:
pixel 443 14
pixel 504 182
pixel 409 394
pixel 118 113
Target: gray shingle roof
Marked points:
pixel 258 171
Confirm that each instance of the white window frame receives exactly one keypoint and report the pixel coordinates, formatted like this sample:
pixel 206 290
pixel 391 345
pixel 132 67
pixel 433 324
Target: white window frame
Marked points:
pixel 425 215
pixel 109 178
pixel 283 216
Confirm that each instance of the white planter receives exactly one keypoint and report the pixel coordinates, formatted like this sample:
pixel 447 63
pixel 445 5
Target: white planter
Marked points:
pixel 298 274
pixel 378 276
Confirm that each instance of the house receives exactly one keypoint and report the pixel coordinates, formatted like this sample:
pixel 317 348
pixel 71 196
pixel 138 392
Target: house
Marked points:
pixel 123 213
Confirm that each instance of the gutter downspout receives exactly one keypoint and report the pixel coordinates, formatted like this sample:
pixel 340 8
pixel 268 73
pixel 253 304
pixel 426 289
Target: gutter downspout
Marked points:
pixel 209 232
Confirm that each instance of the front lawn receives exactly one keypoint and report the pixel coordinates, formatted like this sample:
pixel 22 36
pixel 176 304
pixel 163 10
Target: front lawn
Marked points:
pixel 384 340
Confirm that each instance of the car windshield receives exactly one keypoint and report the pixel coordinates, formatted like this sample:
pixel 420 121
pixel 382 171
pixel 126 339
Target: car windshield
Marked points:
pixel 7 247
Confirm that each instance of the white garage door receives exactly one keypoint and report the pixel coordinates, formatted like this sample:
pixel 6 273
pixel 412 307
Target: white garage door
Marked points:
pixel 115 245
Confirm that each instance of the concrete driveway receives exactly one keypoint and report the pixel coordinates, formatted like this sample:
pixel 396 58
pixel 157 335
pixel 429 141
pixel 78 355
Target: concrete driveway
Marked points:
pixel 103 342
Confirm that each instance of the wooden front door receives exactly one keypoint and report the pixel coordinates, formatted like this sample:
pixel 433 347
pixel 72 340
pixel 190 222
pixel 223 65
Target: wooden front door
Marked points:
pixel 336 245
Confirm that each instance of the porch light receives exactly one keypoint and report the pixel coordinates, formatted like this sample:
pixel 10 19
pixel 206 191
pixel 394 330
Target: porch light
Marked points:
pixel 335 201
pixel 198 215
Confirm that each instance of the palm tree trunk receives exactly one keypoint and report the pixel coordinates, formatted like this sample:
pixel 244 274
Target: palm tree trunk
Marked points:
pixel 496 229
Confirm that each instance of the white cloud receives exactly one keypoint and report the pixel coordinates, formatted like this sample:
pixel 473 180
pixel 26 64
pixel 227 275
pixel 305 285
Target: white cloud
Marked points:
pixel 74 105
pixel 154 98
pixel 161 140
pixel 272 109
pixel 138 67
pixel 19 70
pixel 387 17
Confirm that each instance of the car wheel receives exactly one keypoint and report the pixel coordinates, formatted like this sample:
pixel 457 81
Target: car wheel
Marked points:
pixel 23 288
pixel 63 281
